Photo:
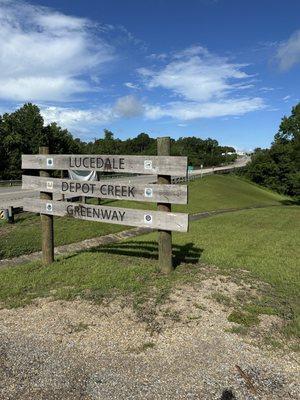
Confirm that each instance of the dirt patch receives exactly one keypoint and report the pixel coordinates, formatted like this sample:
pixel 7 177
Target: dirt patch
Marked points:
pixel 78 350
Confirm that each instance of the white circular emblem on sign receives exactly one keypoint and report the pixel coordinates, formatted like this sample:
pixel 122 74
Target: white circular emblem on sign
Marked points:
pixel 50 162
pixel 49 184
pixel 147 164
pixel 148 218
pixel 49 207
pixel 148 192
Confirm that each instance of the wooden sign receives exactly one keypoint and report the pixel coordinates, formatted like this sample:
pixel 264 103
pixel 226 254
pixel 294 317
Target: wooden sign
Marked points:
pixel 151 169
pixel 109 189
pixel 112 215
pixel 167 165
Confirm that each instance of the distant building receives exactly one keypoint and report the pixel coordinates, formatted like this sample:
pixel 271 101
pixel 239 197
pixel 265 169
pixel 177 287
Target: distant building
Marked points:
pixel 230 153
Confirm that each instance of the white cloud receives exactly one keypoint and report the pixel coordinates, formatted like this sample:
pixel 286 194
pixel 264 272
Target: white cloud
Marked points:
pixel 46 55
pixel 192 51
pixel 39 87
pixel 286 98
pixel 159 56
pixel 184 110
pixel 131 85
pixel 76 119
pixel 195 74
pixel 79 120
pixel 128 106
pixel 203 86
pixel 288 52
pixel 266 89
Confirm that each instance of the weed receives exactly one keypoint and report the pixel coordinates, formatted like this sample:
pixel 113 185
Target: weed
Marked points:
pixel 221 298
pixel 243 318
pixel 239 330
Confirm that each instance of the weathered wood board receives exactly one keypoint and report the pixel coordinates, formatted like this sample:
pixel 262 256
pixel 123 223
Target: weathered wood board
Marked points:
pixel 167 165
pixel 112 215
pixel 109 189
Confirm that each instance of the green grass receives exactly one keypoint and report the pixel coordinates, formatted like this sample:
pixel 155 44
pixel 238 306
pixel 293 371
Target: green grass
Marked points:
pixel 92 275
pixel 243 318
pixel 24 236
pixel 215 192
pixel 210 193
pixel 265 242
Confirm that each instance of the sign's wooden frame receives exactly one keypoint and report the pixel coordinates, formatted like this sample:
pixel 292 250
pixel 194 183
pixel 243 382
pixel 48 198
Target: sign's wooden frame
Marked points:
pixel 169 165
pixel 112 215
pixel 164 193
pixel 109 189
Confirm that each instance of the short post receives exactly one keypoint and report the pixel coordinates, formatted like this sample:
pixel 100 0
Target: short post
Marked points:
pixel 11 215
pixel 47 221
pixel 6 214
pixel 164 237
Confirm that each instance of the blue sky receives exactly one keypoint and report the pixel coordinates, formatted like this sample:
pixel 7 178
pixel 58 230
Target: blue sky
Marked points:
pixel 226 69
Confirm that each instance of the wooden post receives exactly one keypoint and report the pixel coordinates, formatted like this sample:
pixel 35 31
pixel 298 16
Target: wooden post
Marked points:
pixel 164 237
pixel 47 221
pixel 98 179
pixel 62 175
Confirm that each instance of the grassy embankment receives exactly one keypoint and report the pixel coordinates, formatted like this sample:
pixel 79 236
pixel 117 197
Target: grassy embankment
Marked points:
pixel 210 193
pixel 264 242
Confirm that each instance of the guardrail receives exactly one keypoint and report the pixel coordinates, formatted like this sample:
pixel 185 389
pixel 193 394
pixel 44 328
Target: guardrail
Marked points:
pixel 192 177
pixel 188 178
pixel 11 182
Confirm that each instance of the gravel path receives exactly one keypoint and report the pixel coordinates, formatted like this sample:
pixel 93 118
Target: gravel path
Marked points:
pixel 77 350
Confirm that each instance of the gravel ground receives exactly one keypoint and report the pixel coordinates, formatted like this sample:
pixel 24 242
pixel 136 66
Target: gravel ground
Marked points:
pixel 77 350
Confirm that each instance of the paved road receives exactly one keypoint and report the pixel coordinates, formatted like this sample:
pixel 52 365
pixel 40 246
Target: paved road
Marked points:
pixel 240 162
pixel 13 195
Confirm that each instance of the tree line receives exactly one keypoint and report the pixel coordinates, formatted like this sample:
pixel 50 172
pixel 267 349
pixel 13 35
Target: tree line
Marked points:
pixel 278 167
pixel 23 132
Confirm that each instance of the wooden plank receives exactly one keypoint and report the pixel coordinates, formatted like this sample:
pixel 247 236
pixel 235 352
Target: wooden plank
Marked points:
pixel 109 189
pixel 165 258
pixel 168 165
pixel 112 215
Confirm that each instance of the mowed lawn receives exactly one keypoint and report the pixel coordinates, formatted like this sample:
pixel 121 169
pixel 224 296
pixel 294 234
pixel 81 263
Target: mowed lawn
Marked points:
pixel 213 192
pixel 24 236
pixel 265 242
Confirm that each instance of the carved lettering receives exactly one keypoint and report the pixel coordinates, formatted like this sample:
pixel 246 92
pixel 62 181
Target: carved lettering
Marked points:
pixel 91 212
pixel 108 163
pixel 104 189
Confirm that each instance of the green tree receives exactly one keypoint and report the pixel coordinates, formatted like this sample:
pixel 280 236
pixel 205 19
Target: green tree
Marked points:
pixel 21 133
pixel 279 167
pixel 60 141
